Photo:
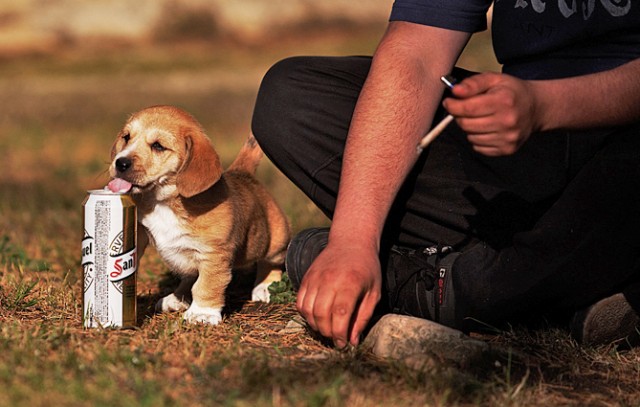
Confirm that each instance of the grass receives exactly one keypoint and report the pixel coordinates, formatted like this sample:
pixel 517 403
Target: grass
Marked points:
pixel 60 114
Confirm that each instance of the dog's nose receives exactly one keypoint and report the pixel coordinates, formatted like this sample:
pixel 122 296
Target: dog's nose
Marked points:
pixel 123 164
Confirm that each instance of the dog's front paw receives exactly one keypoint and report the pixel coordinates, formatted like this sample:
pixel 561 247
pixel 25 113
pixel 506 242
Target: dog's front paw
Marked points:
pixel 203 315
pixel 261 292
pixel 171 303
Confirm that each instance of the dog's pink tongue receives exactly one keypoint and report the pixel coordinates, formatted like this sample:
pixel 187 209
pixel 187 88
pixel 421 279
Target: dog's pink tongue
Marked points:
pixel 119 185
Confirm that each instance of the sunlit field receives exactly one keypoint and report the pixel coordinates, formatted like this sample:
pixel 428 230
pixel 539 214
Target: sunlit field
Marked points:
pixel 60 113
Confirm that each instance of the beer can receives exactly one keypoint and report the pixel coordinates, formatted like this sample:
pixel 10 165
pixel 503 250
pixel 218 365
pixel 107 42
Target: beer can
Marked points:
pixel 109 260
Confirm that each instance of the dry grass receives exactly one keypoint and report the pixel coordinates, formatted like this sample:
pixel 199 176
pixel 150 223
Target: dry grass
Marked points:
pixel 59 116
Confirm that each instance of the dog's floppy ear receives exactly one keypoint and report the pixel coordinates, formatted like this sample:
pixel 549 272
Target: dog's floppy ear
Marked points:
pixel 201 168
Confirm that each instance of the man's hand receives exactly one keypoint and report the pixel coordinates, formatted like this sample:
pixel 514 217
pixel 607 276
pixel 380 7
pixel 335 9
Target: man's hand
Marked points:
pixel 497 111
pixel 340 291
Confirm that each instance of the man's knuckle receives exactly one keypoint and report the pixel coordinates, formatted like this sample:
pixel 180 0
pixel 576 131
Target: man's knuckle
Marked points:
pixel 510 119
pixel 340 310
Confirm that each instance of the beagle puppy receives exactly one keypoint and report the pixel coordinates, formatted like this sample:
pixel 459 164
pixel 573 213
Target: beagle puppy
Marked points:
pixel 204 222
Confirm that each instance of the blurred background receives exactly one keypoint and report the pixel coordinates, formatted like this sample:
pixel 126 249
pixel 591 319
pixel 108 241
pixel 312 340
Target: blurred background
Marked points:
pixel 72 71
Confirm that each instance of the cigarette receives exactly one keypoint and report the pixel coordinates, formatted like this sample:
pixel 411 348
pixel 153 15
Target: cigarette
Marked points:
pixel 435 132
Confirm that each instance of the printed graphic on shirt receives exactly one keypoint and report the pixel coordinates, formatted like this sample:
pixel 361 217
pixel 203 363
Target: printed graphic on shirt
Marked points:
pixel 584 8
pixel 545 39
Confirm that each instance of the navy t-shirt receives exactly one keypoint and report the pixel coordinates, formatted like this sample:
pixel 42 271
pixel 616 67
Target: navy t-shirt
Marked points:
pixel 541 39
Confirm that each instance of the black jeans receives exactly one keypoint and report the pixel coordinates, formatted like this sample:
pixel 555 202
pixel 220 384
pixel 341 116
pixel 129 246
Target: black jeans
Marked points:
pixel 551 227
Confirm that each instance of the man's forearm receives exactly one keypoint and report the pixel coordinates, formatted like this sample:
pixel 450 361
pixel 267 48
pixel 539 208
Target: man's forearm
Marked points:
pixel 603 99
pixel 395 109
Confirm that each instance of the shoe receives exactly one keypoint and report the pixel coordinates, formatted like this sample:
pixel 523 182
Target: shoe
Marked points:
pixel 608 321
pixel 302 251
pixel 420 283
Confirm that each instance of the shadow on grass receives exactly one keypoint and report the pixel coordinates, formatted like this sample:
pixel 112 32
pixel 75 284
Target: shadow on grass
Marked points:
pixel 237 296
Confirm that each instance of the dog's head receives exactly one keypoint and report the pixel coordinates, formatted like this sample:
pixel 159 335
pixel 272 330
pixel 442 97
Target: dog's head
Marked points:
pixel 164 146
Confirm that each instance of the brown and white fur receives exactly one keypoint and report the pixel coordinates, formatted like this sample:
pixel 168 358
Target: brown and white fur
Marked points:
pixel 204 222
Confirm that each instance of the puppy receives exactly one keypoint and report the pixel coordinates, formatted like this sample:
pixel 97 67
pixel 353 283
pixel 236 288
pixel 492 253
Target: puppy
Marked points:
pixel 203 221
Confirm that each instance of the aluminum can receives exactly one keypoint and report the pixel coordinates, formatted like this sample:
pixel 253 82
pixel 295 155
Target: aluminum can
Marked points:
pixel 109 260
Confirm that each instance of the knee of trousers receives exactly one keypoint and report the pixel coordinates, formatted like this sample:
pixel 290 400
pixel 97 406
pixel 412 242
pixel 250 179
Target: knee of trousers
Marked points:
pixel 275 106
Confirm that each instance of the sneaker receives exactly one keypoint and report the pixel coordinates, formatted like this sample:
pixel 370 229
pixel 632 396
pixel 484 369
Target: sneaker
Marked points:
pixel 608 321
pixel 302 251
pixel 419 282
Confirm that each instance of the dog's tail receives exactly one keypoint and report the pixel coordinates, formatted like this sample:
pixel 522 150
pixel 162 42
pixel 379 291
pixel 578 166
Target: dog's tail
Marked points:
pixel 248 158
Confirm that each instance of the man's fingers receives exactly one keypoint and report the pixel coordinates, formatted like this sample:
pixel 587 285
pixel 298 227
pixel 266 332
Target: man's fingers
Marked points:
pixel 333 316
pixel 492 144
pixel 362 317
pixel 476 84
pixel 322 312
pixel 477 126
pixel 342 314
pixel 478 106
pixel 304 304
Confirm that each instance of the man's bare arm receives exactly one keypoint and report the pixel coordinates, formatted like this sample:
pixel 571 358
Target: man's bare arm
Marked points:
pixel 396 107
pixel 608 98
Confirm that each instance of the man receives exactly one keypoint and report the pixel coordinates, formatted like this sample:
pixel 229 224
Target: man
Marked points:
pixel 527 204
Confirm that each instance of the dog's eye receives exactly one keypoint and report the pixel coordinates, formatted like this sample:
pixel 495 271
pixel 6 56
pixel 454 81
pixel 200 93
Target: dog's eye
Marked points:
pixel 157 147
pixel 126 137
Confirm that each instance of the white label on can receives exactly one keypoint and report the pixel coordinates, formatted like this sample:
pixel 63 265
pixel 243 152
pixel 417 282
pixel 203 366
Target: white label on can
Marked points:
pixel 104 265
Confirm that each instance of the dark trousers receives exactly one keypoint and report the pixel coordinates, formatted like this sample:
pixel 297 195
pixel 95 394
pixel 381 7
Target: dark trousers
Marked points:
pixel 552 227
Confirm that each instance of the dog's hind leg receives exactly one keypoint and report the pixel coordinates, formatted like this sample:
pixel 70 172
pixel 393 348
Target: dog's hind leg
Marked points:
pixel 178 300
pixel 267 274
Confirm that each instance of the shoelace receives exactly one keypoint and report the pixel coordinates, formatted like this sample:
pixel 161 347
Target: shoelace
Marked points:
pixel 426 274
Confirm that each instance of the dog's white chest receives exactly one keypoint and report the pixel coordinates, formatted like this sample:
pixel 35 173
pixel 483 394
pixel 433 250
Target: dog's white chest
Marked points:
pixel 172 239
